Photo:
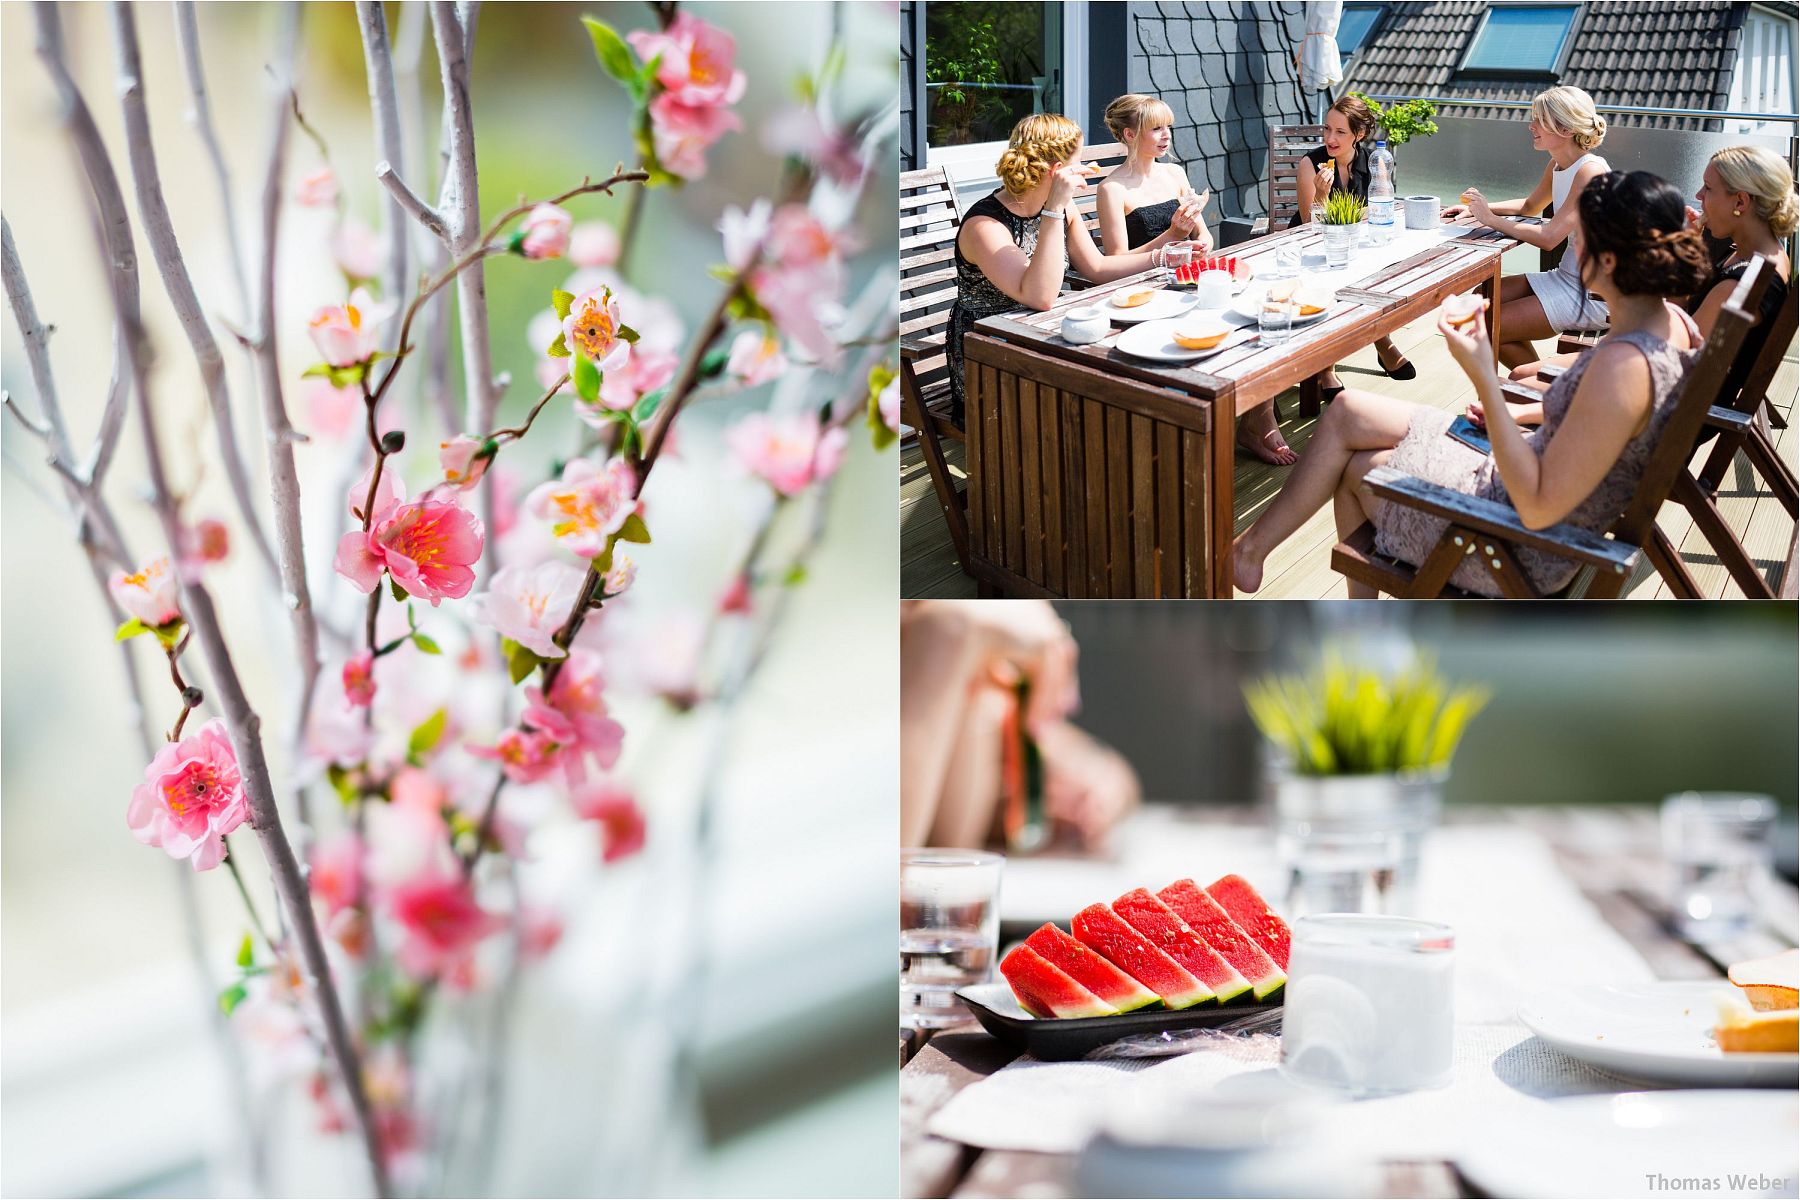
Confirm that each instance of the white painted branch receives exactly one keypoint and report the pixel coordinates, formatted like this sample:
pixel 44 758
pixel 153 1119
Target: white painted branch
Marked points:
pixel 159 230
pixel 384 104
pixel 409 203
pixel 187 36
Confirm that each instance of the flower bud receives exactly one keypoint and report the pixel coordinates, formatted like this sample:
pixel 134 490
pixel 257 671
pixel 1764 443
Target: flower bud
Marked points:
pixel 192 696
pixel 393 441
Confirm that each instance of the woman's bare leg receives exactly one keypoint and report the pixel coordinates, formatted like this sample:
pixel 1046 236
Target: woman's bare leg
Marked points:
pixel 1522 321
pixel 1358 421
pixel 1258 433
pixel 1351 506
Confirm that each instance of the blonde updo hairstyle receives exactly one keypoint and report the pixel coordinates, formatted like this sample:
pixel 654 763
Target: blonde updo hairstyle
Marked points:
pixel 1136 113
pixel 1570 110
pixel 1037 143
pixel 1764 175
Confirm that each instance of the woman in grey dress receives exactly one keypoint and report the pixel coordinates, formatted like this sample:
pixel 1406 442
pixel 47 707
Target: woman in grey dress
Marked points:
pixel 1602 417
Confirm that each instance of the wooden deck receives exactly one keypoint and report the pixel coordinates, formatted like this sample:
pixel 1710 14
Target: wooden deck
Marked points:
pixel 1301 568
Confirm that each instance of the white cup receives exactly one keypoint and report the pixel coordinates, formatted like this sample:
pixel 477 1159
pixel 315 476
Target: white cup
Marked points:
pixel 1422 212
pixel 1084 326
pixel 1213 289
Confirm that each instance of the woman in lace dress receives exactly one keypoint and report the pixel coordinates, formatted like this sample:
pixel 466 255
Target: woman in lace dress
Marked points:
pixel 1602 417
pixel 1533 306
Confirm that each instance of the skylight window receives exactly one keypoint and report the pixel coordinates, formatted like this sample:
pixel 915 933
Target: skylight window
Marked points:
pixel 1521 40
pixel 1354 26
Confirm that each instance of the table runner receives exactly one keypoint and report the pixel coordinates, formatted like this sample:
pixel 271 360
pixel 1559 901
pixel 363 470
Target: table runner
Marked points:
pixel 1520 924
pixel 1367 261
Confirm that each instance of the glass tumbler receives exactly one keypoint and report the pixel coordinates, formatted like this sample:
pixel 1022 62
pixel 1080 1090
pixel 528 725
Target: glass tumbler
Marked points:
pixel 1718 848
pixel 1275 316
pixel 1369 1008
pixel 949 931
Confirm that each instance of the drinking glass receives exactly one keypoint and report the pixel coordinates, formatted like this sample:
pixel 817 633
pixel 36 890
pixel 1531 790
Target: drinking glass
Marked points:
pixel 1177 259
pixel 1369 1008
pixel 1275 317
pixel 949 931
pixel 1353 843
pixel 1719 849
pixel 1287 261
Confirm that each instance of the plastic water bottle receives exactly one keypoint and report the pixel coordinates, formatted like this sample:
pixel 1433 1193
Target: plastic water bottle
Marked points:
pixel 1381 194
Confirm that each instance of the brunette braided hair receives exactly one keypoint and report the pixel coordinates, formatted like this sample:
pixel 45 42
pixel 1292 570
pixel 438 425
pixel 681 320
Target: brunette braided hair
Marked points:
pixel 1037 143
pixel 1641 219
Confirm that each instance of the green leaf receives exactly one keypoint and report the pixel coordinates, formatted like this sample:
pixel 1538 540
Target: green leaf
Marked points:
pixel 559 348
pixel 629 334
pixel 562 302
pixel 425 738
pixel 614 55
pixel 646 79
pixel 398 591
pixel 586 377
pixel 246 955
pixel 880 376
pixel 602 562
pixel 520 660
pixel 231 997
pixel 721 271
pixel 131 629
pixel 795 576
pixel 426 644
pixel 516 244
pixel 341 783
pixel 713 365
pixel 338 376
pixel 648 403
pixel 633 530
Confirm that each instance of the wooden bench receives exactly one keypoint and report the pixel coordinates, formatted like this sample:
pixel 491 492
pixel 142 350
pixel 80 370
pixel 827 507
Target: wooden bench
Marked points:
pixel 1107 156
pixel 929 220
pixel 1491 533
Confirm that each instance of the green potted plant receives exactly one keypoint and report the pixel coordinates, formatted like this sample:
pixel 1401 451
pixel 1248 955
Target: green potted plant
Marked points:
pixel 1404 121
pixel 1344 215
pixel 1358 769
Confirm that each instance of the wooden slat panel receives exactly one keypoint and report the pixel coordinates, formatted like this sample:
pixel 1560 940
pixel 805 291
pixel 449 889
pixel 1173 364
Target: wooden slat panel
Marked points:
pixel 1074 480
pixel 1169 516
pixel 1050 431
pixel 1031 494
pixel 1093 430
pixel 1145 536
pixel 938 254
pixel 974 447
pixel 1011 521
pixel 1118 503
pixel 990 458
pixel 1196 481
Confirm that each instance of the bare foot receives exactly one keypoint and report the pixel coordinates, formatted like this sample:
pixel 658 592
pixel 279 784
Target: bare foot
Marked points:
pixel 1246 573
pixel 1271 447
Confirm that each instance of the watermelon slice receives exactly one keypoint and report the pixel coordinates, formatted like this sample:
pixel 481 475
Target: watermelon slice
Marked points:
pixel 1158 922
pixel 1103 930
pixel 1045 991
pixel 1089 969
pixel 1226 936
pixel 1254 916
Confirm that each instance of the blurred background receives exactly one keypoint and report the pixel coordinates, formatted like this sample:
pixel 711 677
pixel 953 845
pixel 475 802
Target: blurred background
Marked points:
pixel 105 1023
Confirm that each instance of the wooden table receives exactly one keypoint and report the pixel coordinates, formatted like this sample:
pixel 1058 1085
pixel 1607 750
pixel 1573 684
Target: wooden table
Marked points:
pixel 1613 855
pixel 1094 474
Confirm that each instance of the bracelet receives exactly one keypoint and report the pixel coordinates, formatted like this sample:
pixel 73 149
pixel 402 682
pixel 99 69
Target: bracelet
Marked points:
pixel 1049 213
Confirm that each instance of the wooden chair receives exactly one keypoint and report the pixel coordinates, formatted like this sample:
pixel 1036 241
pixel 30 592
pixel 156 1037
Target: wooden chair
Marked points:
pixel 1288 148
pixel 929 220
pixel 1492 533
pixel 1106 156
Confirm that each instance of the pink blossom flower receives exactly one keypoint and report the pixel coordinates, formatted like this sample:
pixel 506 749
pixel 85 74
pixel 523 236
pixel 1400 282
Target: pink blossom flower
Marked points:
pixel 697 60
pixel 683 133
pixel 620 390
pixel 336 867
pixel 191 798
pixel 736 600
pixel 389 491
pixel 888 405
pixel 541 930
pixel 743 231
pixel 529 604
pixel 426 546
pixel 756 358
pixel 359 679
pixel 799 241
pixel 207 541
pixel 802 132
pixel 574 716
pixel 524 755
pixel 462 461
pixel 331 411
pixel 593 244
pixel 788 452
pixel 441 920
pixel 588 505
pixel 317 190
pixel 357 249
pixel 797 301
pixel 616 809
pixel 621 577
pixel 545 232
pixel 592 329
pixel 151 594
pixel 345 333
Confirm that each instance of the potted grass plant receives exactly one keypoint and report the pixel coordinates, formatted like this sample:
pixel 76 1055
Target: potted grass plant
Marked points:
pixel 1358 765
pixel 1344 215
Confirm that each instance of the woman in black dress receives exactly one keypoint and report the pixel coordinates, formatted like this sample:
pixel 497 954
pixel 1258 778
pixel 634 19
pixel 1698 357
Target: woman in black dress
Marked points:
pixel 1342 165
pixel 1016 243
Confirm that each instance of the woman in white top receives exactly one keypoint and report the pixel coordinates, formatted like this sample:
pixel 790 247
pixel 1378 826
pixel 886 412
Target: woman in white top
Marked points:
pixel 1565 126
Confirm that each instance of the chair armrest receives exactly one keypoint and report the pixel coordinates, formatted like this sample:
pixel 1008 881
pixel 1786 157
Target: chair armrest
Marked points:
pixel 1548 374
pixel 913 349
pixel 1520 393
pixel 1493 519
pixel 1729 419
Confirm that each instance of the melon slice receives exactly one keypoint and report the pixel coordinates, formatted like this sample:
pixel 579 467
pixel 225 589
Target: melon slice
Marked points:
pixel 1224 935
pixel 1088 969
pixel 1770 984
pixel 1104 931
pixel 1045 991
pixel 1174 937
pixel 1253 916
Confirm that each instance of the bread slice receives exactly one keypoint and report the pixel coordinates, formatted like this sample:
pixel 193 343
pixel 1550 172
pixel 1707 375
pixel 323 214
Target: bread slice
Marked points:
pixel 1132 299
pixel 1199 341
pixel 1743 1031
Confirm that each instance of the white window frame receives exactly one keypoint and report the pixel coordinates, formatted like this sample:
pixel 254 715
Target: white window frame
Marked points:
pixel 971 166
pixel 1760 63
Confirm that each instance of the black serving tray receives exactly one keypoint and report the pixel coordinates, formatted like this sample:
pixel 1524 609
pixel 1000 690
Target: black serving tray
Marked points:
pixel 1059 1039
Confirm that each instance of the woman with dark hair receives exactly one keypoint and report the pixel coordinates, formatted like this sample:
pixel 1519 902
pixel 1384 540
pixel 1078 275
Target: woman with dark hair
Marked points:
pixel 1602 417
pixel 1342 165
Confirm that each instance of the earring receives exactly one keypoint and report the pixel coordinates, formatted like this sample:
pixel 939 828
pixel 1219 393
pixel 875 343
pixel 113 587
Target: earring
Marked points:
pixel 1737 212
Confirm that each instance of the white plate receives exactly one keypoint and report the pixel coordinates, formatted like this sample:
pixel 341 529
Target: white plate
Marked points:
pixel 1160 307
pixel 1152 341
pixel 1712 1143
pixel 1249 305
pixel 1656 1031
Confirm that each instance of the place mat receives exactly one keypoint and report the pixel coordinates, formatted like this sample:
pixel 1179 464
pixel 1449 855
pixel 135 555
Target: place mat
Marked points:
pixel 1520 925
